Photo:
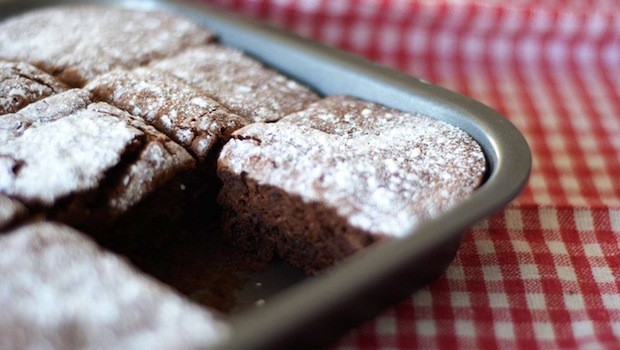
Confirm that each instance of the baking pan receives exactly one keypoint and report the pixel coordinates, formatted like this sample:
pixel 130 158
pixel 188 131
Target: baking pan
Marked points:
pixel 296 311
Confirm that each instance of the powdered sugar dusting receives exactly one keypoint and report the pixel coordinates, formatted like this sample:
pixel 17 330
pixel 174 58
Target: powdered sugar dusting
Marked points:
pixel 243 85
pixel 79 42
pixel 59 290
pixel 382 170
pixel 170 105
pixel 22 84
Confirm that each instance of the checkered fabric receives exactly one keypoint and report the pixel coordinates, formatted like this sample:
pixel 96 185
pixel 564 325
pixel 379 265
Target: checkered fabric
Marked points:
pixel 544 272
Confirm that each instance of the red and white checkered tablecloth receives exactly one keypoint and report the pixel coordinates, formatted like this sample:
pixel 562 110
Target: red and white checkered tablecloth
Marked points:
pixel 544 272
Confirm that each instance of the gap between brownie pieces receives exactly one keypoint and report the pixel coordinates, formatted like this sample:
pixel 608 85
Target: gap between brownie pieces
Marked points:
pixel 194 239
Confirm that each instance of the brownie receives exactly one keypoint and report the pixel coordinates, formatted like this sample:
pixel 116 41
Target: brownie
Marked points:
pixel 76 43
pixel 60 290
pixel 240 83
pixel 22 84
pixel 323 183
pixel 85 163
pixel 186 115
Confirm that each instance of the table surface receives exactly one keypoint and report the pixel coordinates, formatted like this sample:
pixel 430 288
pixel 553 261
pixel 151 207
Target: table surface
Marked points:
pixel 545 271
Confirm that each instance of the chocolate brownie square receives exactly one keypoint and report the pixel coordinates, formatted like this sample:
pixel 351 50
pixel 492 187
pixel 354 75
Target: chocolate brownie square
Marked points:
pixel 83 162
pixel 322 184
pixel 60 290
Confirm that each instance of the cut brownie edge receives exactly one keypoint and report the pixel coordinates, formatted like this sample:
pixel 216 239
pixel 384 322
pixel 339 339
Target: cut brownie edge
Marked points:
pixel 127 205
pixel 149 188
pixel 271 221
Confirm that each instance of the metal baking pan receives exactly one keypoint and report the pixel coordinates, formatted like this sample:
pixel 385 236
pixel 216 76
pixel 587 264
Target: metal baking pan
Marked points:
pixel 306 312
